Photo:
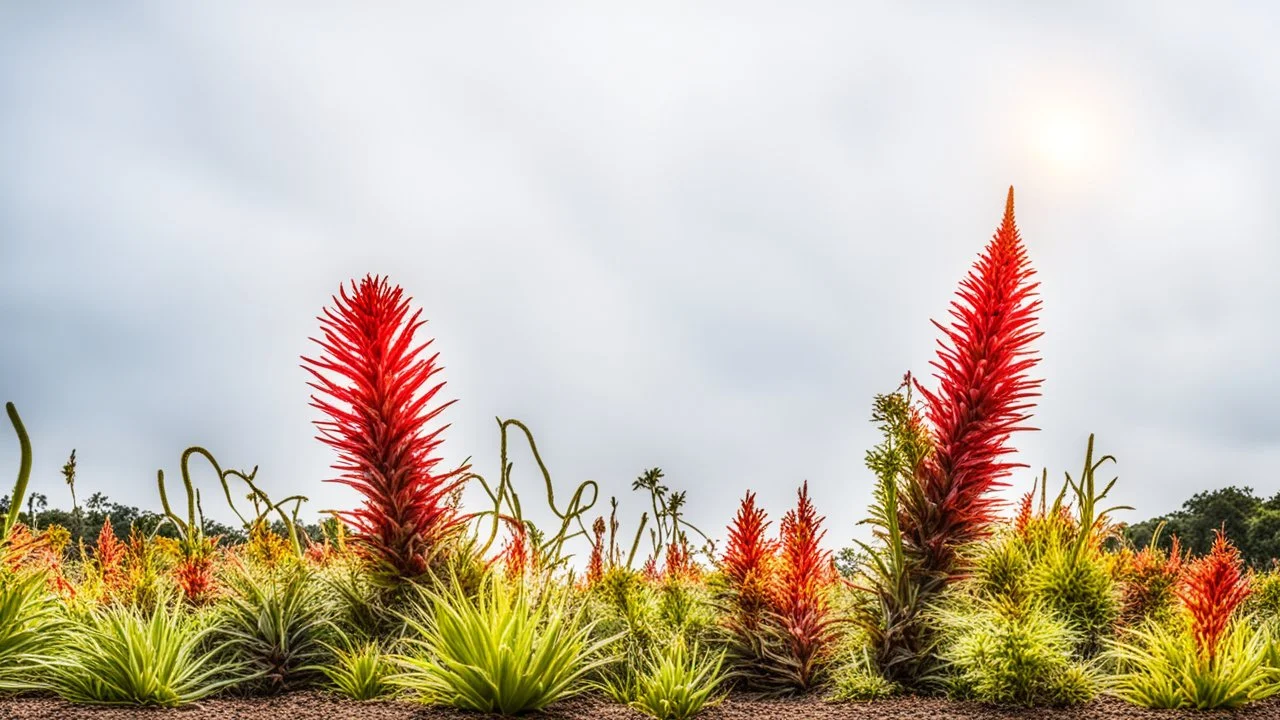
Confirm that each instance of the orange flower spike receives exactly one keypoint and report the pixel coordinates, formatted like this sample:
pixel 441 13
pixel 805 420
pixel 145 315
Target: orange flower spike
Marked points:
pixel 1212 588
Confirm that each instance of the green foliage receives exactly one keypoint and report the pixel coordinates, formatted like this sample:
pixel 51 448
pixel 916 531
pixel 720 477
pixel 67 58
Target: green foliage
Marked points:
pixel 1080 590
pixel 272 625
pixel 1159 666
pixel 678 682
pixel 1264 602
pixel 629 615
pixel 1012 654
pixel 854 677
pixel 360 672
pixel 1001 567
pixel 500 651
pixel 117 655
pixel 898 639
pixel 28 623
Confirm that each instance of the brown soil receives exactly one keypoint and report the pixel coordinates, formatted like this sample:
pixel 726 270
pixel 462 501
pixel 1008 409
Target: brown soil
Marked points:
pixel 316 706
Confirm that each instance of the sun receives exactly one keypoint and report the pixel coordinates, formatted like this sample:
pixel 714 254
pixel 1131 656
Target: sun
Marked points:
pixel 1066 141
pixel 1067 129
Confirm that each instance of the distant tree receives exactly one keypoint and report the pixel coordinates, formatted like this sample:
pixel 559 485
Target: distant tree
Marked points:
pixel 1252 524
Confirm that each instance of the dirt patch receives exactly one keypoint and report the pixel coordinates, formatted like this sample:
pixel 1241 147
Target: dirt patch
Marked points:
pixel 317 706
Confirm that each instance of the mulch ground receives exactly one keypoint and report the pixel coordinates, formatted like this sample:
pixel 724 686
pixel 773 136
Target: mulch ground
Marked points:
pixel 316 706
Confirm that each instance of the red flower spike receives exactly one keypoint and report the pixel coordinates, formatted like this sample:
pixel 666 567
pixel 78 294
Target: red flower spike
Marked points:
pixel 373 386
pixel 983 396
pixel 1211 590
pixel 109 553
pixel 800 594
pixel 748 564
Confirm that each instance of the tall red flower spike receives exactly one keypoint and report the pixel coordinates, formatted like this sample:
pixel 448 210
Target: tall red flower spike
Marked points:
pixel 748 565
pixel 800 594
pixel 1211 590
pixel 373 386
pixel 983 396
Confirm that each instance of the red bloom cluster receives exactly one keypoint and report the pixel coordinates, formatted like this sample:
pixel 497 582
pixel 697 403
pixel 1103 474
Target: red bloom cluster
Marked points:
pixel 371 384
pixel 195 578
pixel 1212 588
pixel 982 397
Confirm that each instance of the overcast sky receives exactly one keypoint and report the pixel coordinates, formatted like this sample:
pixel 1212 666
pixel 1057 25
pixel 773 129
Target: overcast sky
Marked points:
pixel 694 238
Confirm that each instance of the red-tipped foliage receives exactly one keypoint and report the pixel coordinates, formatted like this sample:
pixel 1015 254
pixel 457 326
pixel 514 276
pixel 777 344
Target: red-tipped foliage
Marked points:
pixel 1149 581
pixel 374 387
pixel 983 395
pixel 679 563
pixel 748 566
pixel 1211 590
pixel 801 592
pixel 516 555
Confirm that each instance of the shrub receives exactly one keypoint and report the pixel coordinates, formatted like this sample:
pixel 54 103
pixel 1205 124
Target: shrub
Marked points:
pixel 1211 658
pixel 1163 667
pixel 117 655
pixel 501 651
pixel 28 622
pixel 272 625
pixel 1008 653
pixel 1264 601
pixel 677 683
pixel 1080 590
pixel 370 383
pixel 855 677
pixel 1149 578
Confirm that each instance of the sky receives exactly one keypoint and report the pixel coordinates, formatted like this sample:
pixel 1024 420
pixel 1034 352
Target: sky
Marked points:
pixel 696 236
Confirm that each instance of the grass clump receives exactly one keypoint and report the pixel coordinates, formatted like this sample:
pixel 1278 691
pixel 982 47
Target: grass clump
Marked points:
pixel 360 672
pixel 28 614
pixel 272 627
pixel 501 651
pixel 117 655
pixel 1162 667
pixel 678 682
